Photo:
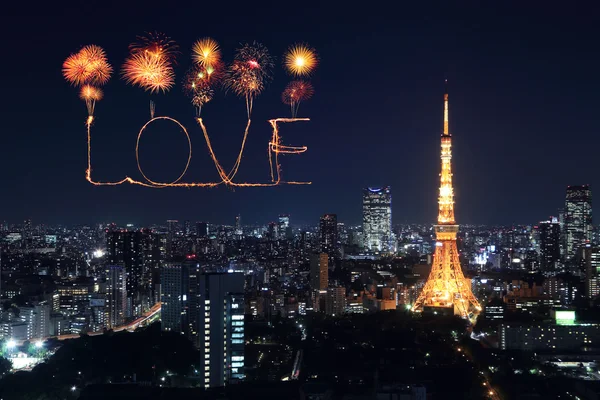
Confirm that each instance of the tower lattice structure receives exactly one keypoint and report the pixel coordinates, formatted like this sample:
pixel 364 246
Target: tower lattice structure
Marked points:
pixel 447 286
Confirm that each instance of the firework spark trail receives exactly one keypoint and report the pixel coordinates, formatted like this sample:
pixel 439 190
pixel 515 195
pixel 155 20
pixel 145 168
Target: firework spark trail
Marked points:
pixel 276 147
pixel 149 71
pixel 88 66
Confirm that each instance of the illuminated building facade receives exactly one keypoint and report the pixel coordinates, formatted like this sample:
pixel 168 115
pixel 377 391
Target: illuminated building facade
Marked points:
pixel 202 229
pixel 447 290
pixel 578 219
pixel 175 283
pixel 284 229
pixel 328 235
pixel 319 271
pixel 134 250
pixel 564 334
pixel 549 234
pixel 592 271
pixel 377 219
pixel 222 328
pixel 116 295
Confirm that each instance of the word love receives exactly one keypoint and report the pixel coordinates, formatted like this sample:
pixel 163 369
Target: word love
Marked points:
pixel 275 149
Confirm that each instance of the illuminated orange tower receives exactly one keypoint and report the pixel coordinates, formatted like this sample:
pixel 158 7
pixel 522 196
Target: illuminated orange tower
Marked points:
pixel 447 289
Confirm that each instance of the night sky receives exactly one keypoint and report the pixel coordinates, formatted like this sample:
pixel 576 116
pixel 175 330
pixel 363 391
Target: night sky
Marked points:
pixel 524 112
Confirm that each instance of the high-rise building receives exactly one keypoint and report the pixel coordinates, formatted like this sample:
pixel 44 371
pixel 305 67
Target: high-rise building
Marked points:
pixel 202 229
pixel 328 235
pixel 319 271
pixel 377 219
pixel 187 228
pixel 116 295
pixel 222 329
pixel 336 301
pixel 549 234
pixel 130 249
pixel 175 287
pixel 578 219
pixel 171 235
pixel 284 229
pixel 447 290
pixel 238 224
pixel 592 271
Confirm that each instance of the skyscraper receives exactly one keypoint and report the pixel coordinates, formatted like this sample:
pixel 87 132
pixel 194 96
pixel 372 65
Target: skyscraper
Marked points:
pixel 578 219
pixel 128 249
pixel 377 219
pixel 222 331
pixel 202 229
pixel 549 233
pixel 328 235
pixel 592 271
pixel 319 272
pixel 284 229
pixel 447 290
pixel 175 287
pixel 171 234
pixel 116 295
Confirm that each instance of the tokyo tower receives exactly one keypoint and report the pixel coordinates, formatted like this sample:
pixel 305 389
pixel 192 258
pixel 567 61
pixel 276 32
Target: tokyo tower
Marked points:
pixel 447 290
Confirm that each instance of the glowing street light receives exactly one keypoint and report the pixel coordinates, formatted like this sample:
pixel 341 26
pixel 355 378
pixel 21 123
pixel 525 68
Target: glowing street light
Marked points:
pixel 39 344
pixel 11 344
pixel 73 388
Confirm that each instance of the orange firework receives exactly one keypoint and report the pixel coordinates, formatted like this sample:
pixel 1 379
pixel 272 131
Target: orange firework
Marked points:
pixel 300 60
pixel 156 44
pixel 89 92
pixel 206 52
pixel 149 71
pixel 90 95
pixel 296 92
pixel 89 65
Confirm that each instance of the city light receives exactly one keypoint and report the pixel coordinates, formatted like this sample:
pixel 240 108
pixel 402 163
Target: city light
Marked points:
pixel 11 344
pixel 39 344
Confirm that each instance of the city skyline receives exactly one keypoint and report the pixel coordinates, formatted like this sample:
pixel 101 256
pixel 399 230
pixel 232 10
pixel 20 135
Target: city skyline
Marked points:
pixel 500 115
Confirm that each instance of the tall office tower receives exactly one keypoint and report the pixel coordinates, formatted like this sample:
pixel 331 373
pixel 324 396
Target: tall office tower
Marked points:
pixel 561 223
pixel 202 229
pixel 284 229
pixel 175 287
pixel 126 248
pixel 377 219
pixel 447 290
pixel 272 231
pixel 238 224
pixel 171 235
pixel 578 219
pixel 319 271
pixel 592 271
pixel 336 301
pixel 222 329
pixel 549 233
pixel 328 235
pixel 27 231
pixel 187 228
pixel 116 295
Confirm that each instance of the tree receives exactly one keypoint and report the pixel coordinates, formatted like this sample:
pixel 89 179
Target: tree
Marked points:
pixel 5 366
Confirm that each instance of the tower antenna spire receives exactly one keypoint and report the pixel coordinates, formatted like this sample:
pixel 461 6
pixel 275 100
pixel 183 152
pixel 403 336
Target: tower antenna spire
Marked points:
pixel 446 128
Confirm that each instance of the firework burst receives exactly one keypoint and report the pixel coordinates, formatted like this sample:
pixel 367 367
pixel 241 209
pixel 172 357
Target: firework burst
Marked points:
pixel 149 71
pixel 300 60
pixel 198 86
pixel 296 92
pixel 250 72
pixel 157 44
pixel 88 66
pixel 206 52
pixel 90 95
